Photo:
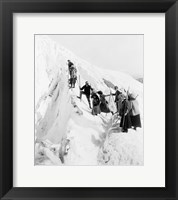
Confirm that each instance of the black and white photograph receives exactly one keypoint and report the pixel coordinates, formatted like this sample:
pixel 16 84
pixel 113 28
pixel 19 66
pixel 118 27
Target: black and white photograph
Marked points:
pixel 88 103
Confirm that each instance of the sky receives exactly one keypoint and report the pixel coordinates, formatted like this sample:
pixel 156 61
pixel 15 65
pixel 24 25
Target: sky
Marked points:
pixel 116 52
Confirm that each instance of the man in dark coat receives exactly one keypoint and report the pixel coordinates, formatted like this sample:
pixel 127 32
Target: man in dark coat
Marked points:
pixel 73 77
pixel 70 67
pixel 87 91
pixel 118 99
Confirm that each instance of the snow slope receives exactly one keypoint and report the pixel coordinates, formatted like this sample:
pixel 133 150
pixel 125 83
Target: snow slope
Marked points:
pixel 65 131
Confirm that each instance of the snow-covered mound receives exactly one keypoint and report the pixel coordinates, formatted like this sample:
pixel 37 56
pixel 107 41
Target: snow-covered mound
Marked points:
pixel 65 131
pixel 122 149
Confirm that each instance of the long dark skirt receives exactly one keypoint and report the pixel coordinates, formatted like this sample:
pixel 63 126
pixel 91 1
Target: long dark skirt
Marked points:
pixel 125 122
pixel 135 120
pixel 104 108
pixel 96 110
pixel 119 106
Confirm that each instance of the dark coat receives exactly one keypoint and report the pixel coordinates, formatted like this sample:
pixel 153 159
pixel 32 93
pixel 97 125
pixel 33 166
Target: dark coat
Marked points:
pixel 87 89
pixel 117 95
pixel 96 101
pixel 104 104
pixel 125 119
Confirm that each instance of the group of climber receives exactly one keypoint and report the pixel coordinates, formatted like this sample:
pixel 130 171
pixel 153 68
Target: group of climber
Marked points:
pixel 99 103
pixel 129 112
pixel 126 104
pixel 73 74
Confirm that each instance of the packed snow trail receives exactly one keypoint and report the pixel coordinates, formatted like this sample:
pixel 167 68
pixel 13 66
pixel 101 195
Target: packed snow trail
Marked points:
pixel 86 134
pixel 66 133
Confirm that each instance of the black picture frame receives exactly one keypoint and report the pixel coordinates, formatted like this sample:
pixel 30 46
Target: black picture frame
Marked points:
pixel 7 8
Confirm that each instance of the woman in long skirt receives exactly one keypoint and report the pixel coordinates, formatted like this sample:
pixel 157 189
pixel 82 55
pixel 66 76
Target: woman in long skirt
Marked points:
pixel 103 103
pixel 134 113
pixel 125 116
pixel 95 101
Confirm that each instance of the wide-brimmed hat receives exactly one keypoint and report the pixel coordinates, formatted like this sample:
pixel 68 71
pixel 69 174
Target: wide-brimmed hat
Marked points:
pixel 100 92
pixel 132 95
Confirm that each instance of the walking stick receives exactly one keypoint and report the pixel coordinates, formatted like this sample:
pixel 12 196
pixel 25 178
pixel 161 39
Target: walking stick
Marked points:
pixel 79 81
pixel 123 121
pixel 79 86
pixel 68 80
pixel 136 96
